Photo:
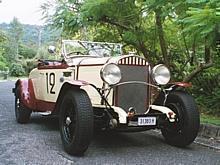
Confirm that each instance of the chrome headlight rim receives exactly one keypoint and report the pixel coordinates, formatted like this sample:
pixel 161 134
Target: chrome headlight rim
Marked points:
pixel 104 72
pixel 161 78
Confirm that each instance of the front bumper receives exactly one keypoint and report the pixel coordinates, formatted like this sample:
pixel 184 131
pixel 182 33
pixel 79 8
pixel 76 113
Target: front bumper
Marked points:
pixel 133 124
pixel 138 120
pixel 158 111
pixel 156 117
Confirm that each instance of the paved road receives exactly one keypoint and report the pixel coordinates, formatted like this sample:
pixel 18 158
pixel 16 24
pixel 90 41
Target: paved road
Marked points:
pixel 39 143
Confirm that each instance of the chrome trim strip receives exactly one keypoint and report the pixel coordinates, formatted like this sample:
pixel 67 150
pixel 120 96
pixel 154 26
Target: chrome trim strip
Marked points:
pixel 133 82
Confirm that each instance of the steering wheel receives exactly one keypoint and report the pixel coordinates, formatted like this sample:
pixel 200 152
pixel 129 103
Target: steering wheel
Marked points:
pixel 75 52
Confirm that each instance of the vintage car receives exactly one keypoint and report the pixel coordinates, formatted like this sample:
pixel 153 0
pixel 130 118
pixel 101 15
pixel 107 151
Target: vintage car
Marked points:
pixel 95 87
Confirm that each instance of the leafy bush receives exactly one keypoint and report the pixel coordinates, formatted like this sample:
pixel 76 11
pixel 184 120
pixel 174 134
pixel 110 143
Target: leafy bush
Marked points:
pixel 17 70
pixel 2 66
pixel 27 51
pixel 206 90
pixel 3 63
pixel 210 104
pixel 28 65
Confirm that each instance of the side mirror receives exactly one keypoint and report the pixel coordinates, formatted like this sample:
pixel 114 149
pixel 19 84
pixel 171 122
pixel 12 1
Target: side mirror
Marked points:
pixel 51 49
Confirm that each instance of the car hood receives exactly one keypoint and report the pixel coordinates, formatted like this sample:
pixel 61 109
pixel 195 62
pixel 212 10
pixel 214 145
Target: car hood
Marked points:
pixel 125 59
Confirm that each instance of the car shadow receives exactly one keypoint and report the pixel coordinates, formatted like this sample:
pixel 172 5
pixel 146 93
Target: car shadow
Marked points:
pixel 107 139
pixel 50 123
pixel 113 139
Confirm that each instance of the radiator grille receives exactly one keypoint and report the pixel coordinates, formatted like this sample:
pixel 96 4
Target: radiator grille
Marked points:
pixel 133 95
pixel 133 60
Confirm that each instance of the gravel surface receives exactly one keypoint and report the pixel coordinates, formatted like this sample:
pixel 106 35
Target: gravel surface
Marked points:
pixel 38 142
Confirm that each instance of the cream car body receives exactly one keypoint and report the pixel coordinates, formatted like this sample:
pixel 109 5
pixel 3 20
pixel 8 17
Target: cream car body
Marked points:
pixel 96 87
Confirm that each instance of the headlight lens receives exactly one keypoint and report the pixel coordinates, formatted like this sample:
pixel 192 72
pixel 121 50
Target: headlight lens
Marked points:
pixel 161 74
pixel 111 74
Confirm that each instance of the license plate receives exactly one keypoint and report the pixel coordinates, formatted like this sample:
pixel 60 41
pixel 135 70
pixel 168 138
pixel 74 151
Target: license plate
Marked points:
pixel 147 121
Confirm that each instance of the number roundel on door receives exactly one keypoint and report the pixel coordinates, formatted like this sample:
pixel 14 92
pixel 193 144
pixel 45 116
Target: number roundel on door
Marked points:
pixel 50 81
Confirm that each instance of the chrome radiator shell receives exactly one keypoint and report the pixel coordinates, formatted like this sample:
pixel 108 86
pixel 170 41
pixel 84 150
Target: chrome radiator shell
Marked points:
pixel 133 95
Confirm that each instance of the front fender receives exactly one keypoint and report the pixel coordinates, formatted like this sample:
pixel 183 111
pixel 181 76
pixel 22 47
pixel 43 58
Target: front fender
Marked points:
pixel 68 85
pixel 183 84
pixel 77 83
pixel 175 85
pixel 169 88
pixel 25 92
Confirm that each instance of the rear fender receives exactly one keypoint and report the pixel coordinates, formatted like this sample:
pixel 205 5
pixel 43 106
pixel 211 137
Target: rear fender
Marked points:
pixel 68 85
pixel 26 93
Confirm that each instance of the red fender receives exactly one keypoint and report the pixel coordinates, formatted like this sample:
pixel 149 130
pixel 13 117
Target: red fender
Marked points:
pixel 26 93
pixel 183 84
pixel 28 99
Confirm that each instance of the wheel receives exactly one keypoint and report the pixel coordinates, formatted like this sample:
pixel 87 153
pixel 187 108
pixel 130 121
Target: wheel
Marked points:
pixel 76 121
pixel 185 129
pixel 22 114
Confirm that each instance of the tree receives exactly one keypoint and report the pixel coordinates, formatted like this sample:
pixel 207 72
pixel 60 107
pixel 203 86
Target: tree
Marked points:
pixel 16 32
pixel 159 30
pixel 3 61
pixel 203 21
pixel 27 51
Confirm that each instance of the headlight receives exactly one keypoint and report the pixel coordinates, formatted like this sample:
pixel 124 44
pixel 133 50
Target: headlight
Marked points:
pixel 161 74
pixel 111 74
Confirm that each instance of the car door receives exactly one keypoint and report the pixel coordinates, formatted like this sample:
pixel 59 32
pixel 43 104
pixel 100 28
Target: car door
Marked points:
pixel 48 82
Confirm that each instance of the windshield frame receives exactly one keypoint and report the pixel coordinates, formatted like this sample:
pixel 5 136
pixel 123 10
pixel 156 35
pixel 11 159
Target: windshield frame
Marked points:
pixel 113 49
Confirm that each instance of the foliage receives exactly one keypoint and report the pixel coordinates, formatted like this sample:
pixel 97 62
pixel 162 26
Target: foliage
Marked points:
pixel 206 89
pixel 23 45
pixel 210 119
pixel 210 103
pixel 27 51
pixel 28 65
pixel 17 70
pixel 203 20
pixel 2 66
pixel 3 63
pixel 2 37
pixel 181 34
pixel 33 35
pixel 16 32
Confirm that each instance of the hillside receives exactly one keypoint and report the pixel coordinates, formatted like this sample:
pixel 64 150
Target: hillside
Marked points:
pixel 33 34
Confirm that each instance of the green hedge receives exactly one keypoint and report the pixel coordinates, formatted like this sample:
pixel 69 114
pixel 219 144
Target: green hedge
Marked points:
pixel 206 89
pixel 17 70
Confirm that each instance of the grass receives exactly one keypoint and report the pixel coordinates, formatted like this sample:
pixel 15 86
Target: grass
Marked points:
pixel 208 119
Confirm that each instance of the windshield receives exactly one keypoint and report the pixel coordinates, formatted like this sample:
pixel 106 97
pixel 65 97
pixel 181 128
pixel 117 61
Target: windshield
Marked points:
pixel 74 48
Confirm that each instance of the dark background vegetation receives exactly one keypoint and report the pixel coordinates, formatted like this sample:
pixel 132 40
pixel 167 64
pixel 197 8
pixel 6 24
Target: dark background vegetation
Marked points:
pixel 182 34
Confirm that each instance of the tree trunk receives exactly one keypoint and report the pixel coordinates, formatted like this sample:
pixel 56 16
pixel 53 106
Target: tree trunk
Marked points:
pixel 17 56
pixel 202 66
pixel 145 51
pixel 163 45
pixel 207 52
pixel 199 69
pixel 193 51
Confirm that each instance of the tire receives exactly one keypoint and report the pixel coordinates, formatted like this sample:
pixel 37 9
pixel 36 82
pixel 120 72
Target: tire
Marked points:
pixel 22 114
pixel 76 121
pixel 184 131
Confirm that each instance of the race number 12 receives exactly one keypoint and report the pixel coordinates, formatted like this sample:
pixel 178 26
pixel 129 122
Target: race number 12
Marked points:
pixel 50 81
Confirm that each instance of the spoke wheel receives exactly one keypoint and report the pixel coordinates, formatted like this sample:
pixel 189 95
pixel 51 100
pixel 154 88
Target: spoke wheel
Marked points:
pixel 76 121
pixel 69 122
